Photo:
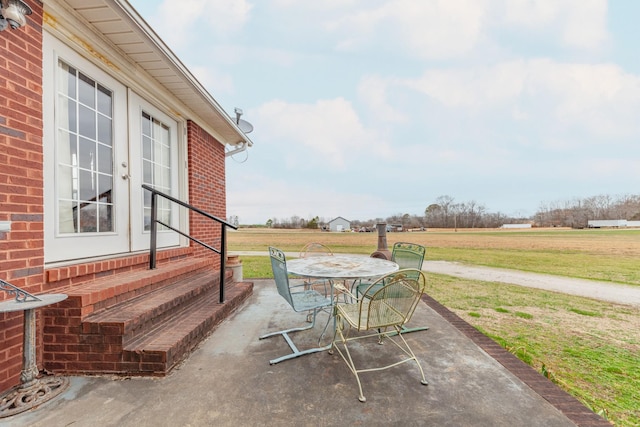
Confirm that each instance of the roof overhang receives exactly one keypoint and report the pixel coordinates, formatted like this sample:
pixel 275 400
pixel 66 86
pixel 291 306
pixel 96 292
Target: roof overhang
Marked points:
pixel 115 34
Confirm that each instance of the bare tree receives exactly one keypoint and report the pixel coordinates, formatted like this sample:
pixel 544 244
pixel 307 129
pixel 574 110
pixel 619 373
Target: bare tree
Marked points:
pixel 456 210
pixel 445 203
pixel 432 215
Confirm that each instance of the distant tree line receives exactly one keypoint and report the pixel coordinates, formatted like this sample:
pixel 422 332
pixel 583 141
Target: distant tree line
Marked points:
pixel 446 212
pixel 294 222
pixel 577 212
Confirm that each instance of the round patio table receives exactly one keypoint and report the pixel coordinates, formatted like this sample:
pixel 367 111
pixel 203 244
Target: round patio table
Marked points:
pixel 341 267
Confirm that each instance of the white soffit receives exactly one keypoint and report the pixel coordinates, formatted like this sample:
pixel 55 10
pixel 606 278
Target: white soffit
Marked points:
pixel 121 26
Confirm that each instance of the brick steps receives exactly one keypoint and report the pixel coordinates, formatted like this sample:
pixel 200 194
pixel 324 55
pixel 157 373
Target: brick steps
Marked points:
pixel 166 345
pixel 145 311
pixel 137 323
pixel 110 290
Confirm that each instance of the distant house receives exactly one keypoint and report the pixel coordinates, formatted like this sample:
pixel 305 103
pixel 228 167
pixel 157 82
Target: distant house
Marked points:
pixel 339 224
pixel 516 226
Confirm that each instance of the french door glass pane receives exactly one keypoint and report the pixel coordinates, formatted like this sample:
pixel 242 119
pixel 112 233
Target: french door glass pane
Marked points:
pixel 105 101
pixel 156 166
pixel 85 154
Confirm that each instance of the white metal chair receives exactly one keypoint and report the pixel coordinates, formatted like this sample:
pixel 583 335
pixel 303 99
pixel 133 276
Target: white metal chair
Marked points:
pixel 299 299
pixel 315 249
pixel 381 315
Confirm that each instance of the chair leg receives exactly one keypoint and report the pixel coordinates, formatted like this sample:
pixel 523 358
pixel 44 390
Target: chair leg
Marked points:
pixel 347 359
pixel 346 354
pixel 400 331
pixel 409 352
pixel 311 285
pixel 295 352
pixel 406 330
pixel 324 330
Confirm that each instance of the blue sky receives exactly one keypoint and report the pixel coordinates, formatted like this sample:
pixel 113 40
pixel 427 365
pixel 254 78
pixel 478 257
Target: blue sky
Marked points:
pixel 369 108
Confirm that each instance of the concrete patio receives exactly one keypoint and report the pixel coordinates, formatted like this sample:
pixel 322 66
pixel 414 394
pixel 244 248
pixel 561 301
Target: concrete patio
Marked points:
pixel 228 381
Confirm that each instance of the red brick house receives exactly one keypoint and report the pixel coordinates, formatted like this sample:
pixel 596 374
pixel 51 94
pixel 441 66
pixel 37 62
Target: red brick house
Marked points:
pixel 92 106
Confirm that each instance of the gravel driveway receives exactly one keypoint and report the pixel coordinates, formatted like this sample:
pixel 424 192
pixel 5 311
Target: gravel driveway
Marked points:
pixel 605 291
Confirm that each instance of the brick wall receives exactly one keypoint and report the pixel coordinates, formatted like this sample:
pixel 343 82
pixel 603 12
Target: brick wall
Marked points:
pixel 206 187
pixel 21 198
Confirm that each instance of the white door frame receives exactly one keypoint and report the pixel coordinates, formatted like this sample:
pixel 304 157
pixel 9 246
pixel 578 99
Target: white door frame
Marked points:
pixel 61 245
pixel 128 232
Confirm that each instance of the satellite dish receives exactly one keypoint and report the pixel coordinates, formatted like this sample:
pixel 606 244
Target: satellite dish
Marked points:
pixel 244 126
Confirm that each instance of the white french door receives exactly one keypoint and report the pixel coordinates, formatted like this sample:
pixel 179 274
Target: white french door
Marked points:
pixel 154 148
pixel 101 143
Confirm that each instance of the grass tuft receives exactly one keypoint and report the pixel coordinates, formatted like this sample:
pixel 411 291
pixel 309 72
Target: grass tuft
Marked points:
pixel 523 315
pixel 585 312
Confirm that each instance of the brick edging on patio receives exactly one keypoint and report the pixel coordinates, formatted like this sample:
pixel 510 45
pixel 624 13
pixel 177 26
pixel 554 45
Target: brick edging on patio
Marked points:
pixel 571 407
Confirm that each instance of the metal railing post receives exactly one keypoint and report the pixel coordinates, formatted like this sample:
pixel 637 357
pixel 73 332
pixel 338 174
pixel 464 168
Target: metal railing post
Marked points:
pixel 223 259
pixel 154 231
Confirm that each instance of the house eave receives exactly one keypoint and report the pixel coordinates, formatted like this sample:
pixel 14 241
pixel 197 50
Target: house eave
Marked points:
pixel 113 29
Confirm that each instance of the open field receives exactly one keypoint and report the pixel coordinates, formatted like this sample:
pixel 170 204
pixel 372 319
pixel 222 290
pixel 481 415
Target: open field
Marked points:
pixel 596 241
pixel 599 254
pixel 589 348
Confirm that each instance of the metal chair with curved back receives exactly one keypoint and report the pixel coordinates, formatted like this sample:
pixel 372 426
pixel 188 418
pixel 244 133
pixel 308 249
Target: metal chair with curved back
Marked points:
pixel 406 255
pixel 300 299
pixel 385 311
pixel 315 249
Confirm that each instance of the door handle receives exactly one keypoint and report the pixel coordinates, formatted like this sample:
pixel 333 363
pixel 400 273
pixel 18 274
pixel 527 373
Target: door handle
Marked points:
pixel 125 175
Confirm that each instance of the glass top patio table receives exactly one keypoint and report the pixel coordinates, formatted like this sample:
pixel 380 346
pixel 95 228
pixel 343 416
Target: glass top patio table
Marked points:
pixel 341 266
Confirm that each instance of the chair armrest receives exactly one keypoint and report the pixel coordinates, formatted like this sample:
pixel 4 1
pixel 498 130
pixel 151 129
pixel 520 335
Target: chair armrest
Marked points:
pixel 339 287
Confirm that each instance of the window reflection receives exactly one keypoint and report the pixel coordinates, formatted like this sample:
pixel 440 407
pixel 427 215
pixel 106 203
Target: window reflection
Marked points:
pixel 85 153
pixel 156 166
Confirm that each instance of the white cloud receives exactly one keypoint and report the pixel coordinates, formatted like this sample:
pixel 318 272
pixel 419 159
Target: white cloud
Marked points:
pixel 437 29
pixel 598 98
pixel 586 25
pixel 254 198
pixel 579 23
pixel 425 29
pixel 373 91
pixel 531 13
pixel 213 80
pixel 180 23
pixel 446 29
pixel 226 16
pixel 330 129
pixel 474 87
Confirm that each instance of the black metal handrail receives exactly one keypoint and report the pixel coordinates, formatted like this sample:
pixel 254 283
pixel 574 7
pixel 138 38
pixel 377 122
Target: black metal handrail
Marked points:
pixel 154 232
